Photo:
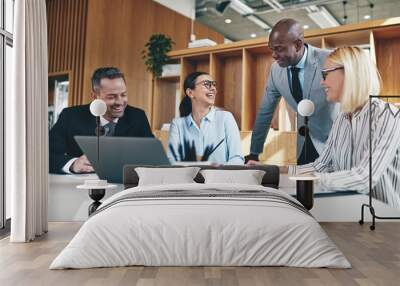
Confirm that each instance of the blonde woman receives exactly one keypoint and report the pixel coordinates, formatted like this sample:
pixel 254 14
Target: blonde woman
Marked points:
pixel 349 77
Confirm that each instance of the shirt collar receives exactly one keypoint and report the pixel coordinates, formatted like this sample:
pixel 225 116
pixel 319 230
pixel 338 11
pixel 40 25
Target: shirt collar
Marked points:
pixel 209 117
pixel 104 121
pixel 365 108
pixel 302 62
pixel 211 114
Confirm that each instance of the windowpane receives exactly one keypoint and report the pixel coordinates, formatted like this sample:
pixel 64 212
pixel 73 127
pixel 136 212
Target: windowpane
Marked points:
pixel 9 69
pixel 2 203
pixel 9 9
pixel 1 14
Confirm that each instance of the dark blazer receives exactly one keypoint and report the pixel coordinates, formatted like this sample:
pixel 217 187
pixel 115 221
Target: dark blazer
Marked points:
pixel 78 120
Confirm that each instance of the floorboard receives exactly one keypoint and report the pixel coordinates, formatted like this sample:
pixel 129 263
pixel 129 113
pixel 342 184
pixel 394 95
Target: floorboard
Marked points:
pixel 374 255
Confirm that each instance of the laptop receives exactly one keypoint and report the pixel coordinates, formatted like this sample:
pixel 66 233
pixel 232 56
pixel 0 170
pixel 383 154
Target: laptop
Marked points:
pixel 115 152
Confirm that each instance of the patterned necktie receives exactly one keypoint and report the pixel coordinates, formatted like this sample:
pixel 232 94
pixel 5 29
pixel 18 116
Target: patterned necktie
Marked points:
pixel 296 87
pixel 109 128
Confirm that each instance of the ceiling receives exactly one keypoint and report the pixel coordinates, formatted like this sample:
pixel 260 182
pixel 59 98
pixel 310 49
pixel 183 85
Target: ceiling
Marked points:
pixel 212 14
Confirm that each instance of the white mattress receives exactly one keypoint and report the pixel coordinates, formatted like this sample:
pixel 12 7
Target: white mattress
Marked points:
pixel 189 231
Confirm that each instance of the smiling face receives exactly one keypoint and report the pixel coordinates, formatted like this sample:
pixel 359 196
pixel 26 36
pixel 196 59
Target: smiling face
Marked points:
pixel 204 91
pixel 114 93
pixel 333 82
pixel 286 50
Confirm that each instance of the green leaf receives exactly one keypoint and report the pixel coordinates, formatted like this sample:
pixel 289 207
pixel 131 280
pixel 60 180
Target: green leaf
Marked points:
pixel 156 54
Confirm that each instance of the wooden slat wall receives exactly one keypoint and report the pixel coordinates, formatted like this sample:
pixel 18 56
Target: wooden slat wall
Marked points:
pixel 117 32
pixel 388 61
pixel 86 34
pixel 66 24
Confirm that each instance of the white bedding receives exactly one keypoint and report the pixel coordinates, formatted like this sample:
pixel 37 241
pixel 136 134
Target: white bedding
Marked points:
pixel 183 231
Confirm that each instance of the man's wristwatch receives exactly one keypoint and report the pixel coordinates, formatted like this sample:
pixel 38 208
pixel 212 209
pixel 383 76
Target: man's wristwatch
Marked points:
pixel 249 157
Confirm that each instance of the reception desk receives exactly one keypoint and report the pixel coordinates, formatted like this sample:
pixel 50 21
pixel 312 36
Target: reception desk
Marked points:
pixel 67 203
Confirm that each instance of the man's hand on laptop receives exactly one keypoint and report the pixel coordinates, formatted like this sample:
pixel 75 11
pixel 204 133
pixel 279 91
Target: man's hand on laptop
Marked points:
pixel 82 165
pixel 252 160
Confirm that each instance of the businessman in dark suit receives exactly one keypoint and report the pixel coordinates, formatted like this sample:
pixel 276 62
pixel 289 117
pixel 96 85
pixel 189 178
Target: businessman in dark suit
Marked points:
pixel 120 119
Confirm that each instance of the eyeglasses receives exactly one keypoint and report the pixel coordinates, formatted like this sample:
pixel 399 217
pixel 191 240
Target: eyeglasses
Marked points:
pixel 208 83
pixel 325 72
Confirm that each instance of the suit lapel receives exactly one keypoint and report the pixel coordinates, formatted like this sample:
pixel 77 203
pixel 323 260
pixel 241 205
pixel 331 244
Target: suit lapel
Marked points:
pixel 89 127
pixel 92 125
pixel 122 126
pixel 309 72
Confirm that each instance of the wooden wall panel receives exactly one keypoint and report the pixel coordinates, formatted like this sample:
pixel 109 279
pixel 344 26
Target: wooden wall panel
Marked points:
pixel 116 34
pixel 388 62
pixel 164 102
pixel 248 92
pixel 86 34
pixel 66 25
pixel 202 32
pixel 232 86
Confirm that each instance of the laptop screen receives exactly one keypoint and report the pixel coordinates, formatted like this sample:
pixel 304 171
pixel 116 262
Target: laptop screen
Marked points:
pixel 115 152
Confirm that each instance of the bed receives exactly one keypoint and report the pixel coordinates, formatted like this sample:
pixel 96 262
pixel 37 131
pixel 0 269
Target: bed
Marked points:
pixel 197 224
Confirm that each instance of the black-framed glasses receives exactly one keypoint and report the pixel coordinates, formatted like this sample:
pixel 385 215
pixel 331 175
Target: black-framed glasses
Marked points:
pixel 208 83
pixel 325 72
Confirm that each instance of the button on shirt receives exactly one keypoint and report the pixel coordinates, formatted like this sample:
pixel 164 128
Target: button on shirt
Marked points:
pixel 218 126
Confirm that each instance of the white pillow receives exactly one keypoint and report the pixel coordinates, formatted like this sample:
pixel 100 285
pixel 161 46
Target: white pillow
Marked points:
pixel 248 177
pixel 164 176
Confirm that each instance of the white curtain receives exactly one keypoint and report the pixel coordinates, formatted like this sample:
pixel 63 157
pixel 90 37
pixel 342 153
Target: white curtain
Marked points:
pixel 26 123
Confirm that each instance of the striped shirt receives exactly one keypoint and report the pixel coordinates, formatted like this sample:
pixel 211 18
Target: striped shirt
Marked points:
pixel 344 163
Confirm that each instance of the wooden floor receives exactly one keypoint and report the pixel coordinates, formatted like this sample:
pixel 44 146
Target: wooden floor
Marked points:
pixel 375 257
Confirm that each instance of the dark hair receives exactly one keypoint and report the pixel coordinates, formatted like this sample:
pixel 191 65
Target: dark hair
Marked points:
pixel 105 72
pixel 185 107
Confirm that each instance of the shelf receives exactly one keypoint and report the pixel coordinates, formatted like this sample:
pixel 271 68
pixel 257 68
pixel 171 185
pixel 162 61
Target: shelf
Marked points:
pixel 192 64
pixel 315 42
pixel 387 51
pixel 356 38
pixel 259 49
pixel 387 33
pixel 227 71
pixel 170 78
pixel 229 53
pixel 165 98
pixel 256 67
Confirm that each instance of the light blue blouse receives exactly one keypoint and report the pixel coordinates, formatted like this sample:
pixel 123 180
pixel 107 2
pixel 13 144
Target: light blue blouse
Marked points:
pixel 218 132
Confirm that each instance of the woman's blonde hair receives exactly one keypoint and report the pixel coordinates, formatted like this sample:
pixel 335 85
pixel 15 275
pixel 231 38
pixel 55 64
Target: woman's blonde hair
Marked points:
pixel 361 77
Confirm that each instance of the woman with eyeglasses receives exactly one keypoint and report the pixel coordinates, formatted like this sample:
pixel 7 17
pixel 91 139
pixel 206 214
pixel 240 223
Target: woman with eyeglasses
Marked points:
pixel 349 77
pixel 203 132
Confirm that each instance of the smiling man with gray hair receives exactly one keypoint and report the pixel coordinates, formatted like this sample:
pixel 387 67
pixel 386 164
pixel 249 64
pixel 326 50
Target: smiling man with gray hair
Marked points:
pixel 120 119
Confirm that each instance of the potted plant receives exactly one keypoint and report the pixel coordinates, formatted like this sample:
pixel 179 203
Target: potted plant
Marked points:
pixel 155 57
